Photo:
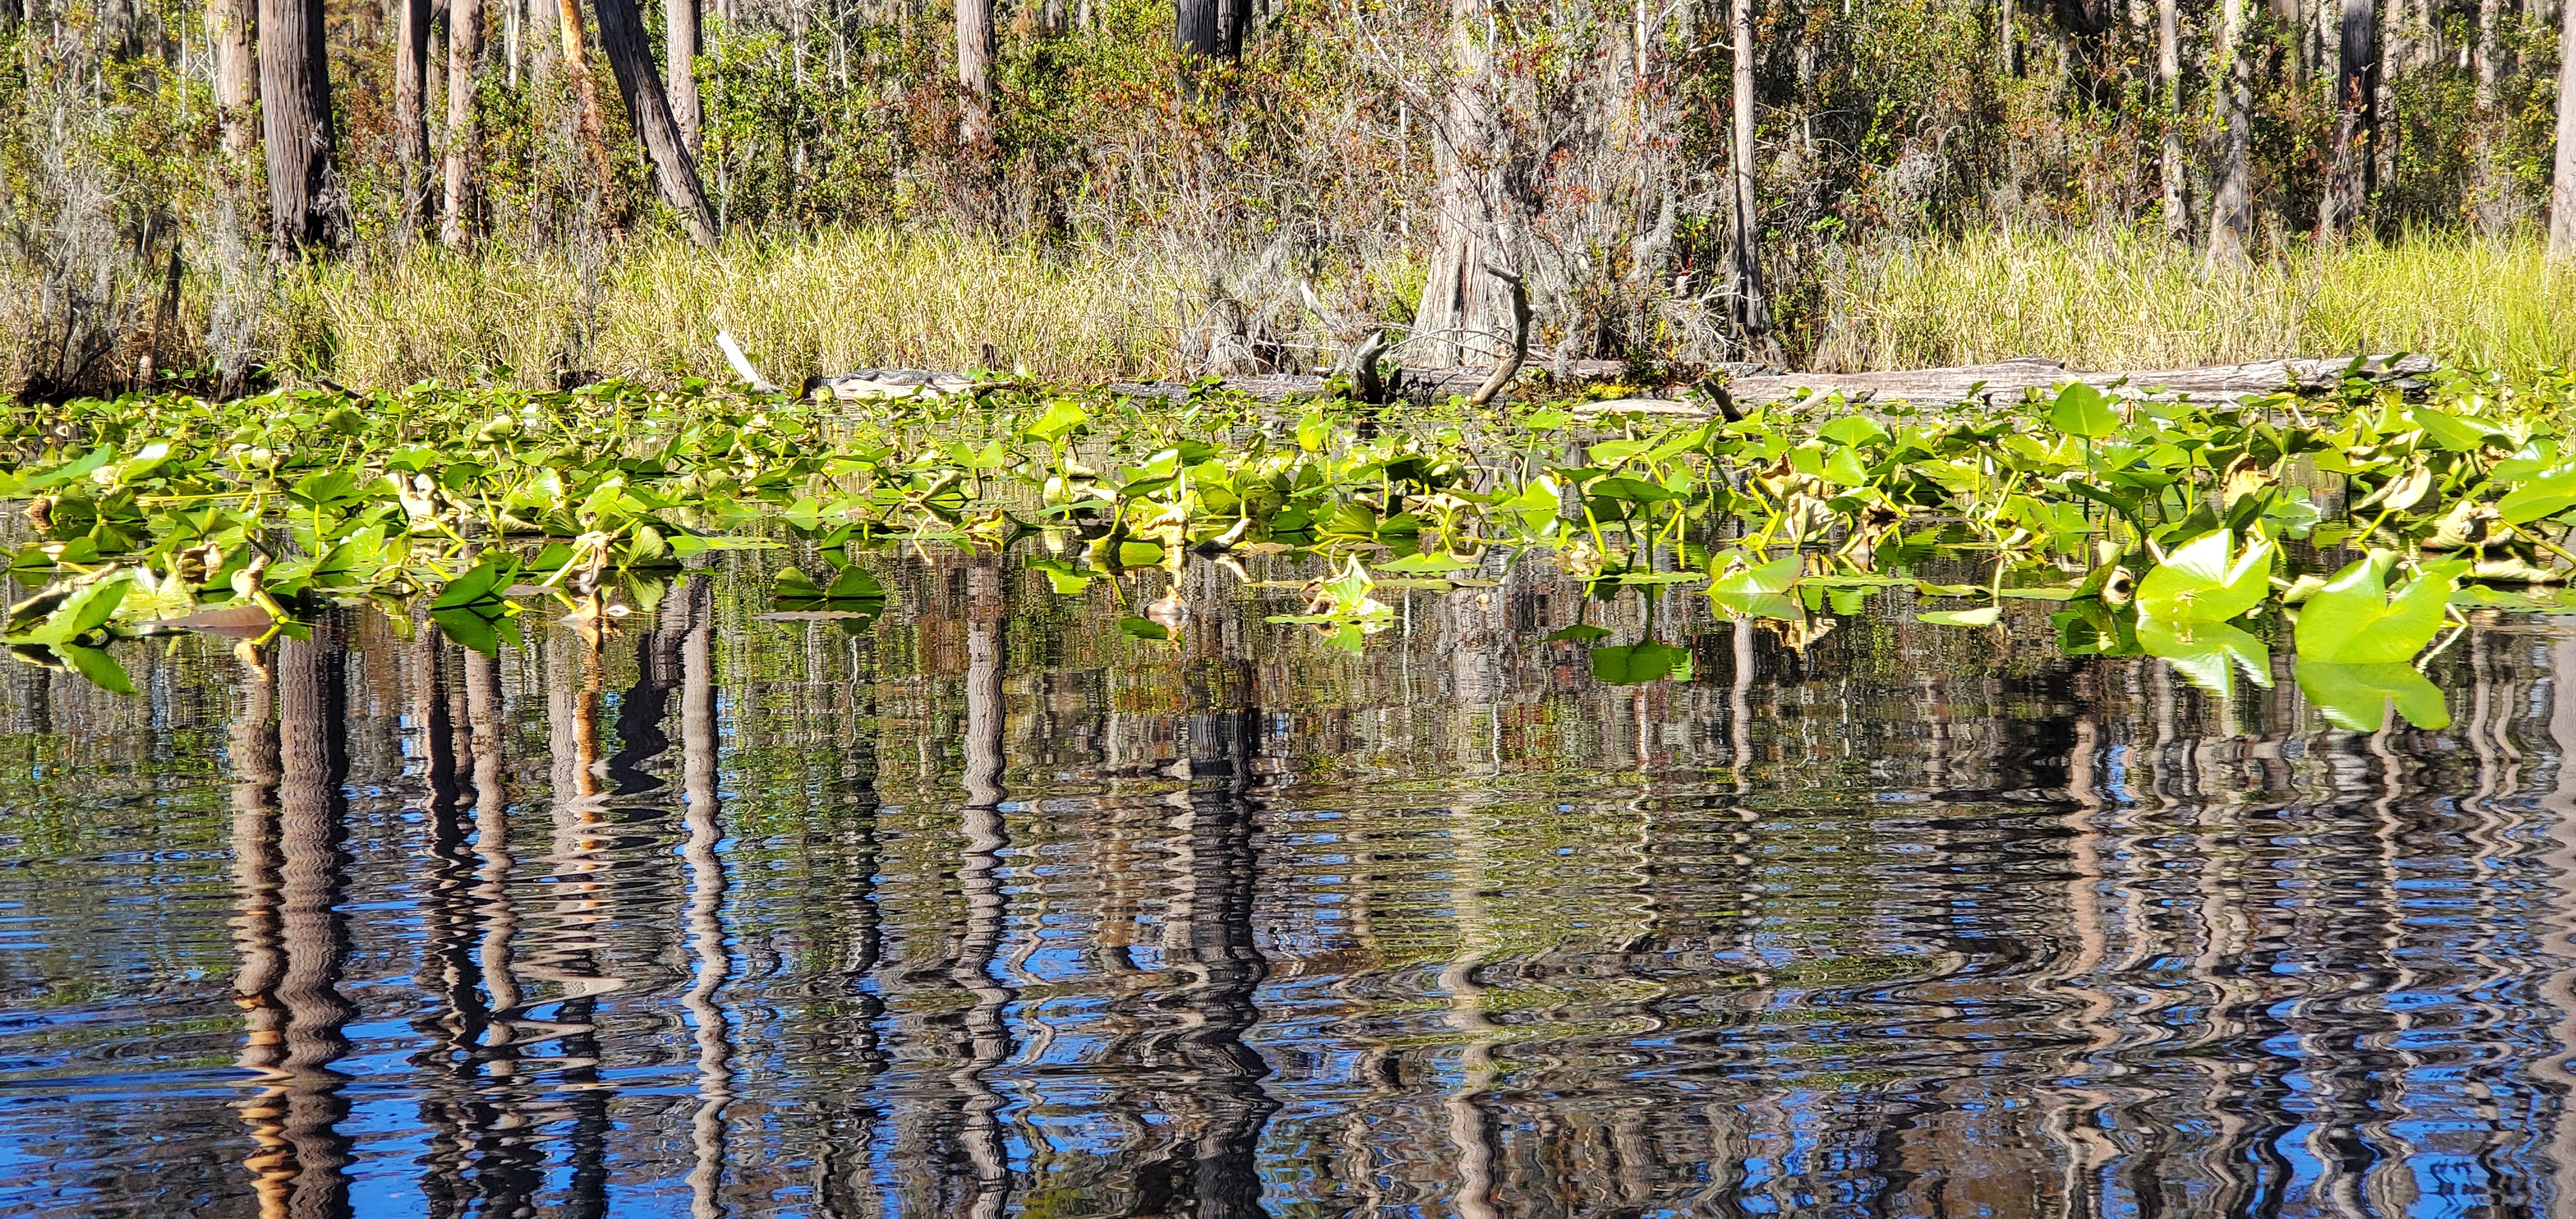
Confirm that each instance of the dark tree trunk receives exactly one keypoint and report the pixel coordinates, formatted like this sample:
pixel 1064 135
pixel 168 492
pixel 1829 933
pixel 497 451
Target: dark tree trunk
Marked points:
pixel 2353 172
pixel 1212 29
pixel 295 119
pixel 464 57
pixel 411 113
pixel 621 38
pixel 680 35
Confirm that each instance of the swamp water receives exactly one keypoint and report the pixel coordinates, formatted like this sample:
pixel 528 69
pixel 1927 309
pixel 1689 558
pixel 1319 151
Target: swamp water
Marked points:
pixel 985 907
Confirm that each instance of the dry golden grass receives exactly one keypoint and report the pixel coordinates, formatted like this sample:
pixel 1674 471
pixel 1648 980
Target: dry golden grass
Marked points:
pixel 835 301
pixel 2115 302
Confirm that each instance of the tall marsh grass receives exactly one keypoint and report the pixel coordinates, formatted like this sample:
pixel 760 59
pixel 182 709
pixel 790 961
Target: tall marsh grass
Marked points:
pixel 2119 302
pixel 936 298
pixel 834 301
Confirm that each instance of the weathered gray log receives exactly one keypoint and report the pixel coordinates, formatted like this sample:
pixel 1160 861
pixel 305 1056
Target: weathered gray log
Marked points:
pixel 2007 379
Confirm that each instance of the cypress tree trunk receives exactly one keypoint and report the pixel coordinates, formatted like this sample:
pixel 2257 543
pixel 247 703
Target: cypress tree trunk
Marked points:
pixel 228 32
pixel 1212 28
pixel 2169 103
pixel 2353 171
pixel 1459 298
pixel 464 55
pixel 2231 220
pixel 621 38
pixel 1752 306
pixel 2562 176
pixel 975 78
pixel 295 120
pixel 411 114
pixel 680 36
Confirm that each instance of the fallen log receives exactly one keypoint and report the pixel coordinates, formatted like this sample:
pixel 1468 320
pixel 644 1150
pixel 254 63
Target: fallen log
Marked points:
pixel 2008 378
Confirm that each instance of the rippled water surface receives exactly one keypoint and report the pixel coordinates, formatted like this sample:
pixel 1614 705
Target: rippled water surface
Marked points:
pixel 986 908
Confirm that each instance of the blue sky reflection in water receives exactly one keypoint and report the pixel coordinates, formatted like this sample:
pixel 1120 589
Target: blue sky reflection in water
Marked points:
pixel 986 907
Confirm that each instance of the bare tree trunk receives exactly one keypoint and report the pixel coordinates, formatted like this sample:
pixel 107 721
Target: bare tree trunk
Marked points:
pixel 577 64
pixel 1752 306
pixel 2004 37
pixel 2230 215
pixel 1051 18
pixel 621 38
pixel 680 35
pixel 1459 298
pixel 228 31
pixel 975 78
pixel 2562 173
pixel 464 55
pixel 411 114
pixel 295 120
pixel 2169 108
pixel 2353 171
pixel 2488 13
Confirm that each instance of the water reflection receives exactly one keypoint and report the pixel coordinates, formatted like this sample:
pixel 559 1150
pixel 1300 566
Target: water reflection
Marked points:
pixel 986 908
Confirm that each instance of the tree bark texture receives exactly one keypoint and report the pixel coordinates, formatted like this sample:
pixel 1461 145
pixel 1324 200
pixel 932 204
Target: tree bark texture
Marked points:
pixel 411 113
pixel 295 120
pixel 229 33
pixel 1752 306
pixel 2169 104
pixel 577 65
pixel 621 38
pixel 1463 306
pixel 680 35
pixel 1212 29
pixel 975 77
pixel 464 55
pixel 2231 220
pixel 2562 174
pixel 2353 171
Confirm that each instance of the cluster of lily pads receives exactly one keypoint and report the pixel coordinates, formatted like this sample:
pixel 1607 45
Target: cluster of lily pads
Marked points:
pixel 2369 518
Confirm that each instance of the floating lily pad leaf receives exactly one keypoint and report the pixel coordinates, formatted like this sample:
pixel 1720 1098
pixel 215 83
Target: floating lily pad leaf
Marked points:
pixel 2353 621
pixel 2208 580
pixel 2356 696
pixel 486 581
pixel 1852 430
pixel 1633 490
pixel 74 470
pixel 96 665
pixel 2081 410
pixel 1427 563
pixel 324 489
pixel 468 627
pixel 2453 432
pixel 1982 616
pixel 1777 576
pixel 855 583
pixel 2547 494
pixel 1581 632
pixel 86 609
pixel 1061 416
pixel 2045 592
pixel 1061 576
pixel 2479 596
pixel 1634 664
pixel 1135 627
pixel 1139 554
pixel 2207 654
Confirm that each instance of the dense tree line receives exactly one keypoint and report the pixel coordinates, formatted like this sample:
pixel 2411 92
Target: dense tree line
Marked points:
pixel 1615 167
